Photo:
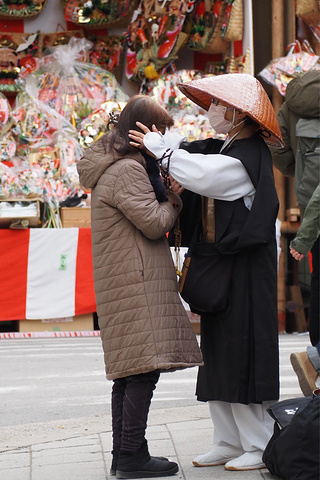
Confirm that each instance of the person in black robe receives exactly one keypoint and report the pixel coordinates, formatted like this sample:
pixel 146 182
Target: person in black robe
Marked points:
pixel 240 376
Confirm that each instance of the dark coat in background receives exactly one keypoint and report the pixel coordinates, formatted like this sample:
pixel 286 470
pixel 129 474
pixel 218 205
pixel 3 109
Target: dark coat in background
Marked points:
pixel 299 117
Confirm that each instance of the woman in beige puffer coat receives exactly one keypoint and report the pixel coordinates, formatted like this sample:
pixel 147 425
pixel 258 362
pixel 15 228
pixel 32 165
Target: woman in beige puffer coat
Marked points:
pixel 144 327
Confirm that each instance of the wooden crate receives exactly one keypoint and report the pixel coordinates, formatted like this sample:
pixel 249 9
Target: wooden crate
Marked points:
pixel 18 217
pixel 77 323
pixel 79 217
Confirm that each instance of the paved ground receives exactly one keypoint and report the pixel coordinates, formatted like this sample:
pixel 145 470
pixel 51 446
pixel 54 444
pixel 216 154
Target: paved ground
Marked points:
pixel 77 446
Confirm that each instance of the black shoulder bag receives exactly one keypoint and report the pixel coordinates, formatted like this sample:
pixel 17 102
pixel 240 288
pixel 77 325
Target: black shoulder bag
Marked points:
pixel 206 274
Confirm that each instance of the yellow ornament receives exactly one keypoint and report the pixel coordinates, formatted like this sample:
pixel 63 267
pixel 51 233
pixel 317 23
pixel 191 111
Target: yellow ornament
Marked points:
pixel 150 72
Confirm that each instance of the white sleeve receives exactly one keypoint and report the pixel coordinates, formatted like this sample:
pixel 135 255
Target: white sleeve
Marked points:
pixel 212 175
pixel 172 139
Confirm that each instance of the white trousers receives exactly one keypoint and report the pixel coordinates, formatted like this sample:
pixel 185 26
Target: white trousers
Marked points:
pixel 249 427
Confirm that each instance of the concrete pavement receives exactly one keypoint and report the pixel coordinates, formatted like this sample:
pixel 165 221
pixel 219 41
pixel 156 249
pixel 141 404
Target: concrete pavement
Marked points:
pixel 79 448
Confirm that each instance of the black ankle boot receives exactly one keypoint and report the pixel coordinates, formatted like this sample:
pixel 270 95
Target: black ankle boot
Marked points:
pixel 114 463
pixel 115 456
pixel 140 465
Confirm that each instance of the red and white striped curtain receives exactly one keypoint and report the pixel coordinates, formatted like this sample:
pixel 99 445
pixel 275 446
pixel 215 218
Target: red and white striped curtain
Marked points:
pixel 45 273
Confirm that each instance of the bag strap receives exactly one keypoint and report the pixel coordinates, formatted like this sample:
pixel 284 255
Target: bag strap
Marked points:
pixel 208 219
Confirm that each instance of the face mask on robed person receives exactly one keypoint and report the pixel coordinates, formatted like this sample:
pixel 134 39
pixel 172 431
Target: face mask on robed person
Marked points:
pixel 217 120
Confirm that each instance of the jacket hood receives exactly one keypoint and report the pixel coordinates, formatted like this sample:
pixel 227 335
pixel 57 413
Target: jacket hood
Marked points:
pixel 303 95
pixel 97 160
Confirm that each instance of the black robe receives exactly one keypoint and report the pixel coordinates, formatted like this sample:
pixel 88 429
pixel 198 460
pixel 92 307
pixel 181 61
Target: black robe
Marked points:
pixel 240 345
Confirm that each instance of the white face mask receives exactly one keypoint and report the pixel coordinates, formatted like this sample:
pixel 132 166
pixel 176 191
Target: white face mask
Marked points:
pixel 216 118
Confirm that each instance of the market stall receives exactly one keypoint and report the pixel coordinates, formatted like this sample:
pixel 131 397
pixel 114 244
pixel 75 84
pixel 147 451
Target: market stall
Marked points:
pixel 65 67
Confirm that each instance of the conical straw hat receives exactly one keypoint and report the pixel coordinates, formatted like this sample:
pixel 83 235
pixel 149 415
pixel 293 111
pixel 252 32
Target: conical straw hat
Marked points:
pixel 239 90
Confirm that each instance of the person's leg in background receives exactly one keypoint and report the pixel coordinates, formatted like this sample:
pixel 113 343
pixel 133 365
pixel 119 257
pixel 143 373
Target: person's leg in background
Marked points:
pixel 307 364
pixel 314 356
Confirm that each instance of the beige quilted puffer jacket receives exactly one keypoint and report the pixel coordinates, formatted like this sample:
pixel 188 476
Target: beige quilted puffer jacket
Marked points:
pixel 142 321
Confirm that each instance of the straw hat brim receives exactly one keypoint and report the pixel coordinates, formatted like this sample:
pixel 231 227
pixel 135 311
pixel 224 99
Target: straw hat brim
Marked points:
pixel 241 91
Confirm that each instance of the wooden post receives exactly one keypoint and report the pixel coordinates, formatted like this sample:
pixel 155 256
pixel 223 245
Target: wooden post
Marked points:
pixel 278 50
pixel 290 38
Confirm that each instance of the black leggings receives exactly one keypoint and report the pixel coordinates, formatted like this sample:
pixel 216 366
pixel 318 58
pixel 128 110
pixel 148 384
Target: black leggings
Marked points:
pixel 130 402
